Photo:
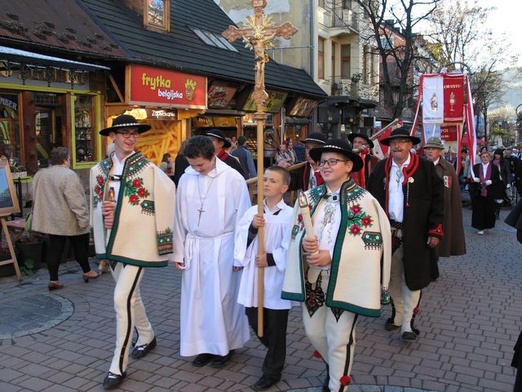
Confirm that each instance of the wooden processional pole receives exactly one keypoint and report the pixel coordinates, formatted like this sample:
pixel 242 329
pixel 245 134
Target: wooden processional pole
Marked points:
pixel 258 36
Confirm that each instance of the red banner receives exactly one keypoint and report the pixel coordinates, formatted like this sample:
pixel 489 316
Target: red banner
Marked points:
pixel 448 133
pixel 159 86
pixel 453 98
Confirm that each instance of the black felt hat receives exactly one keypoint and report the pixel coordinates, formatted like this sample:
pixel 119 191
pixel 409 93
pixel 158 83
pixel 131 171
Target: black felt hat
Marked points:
pixel 400 133
pixel 352 136
pixel 315 137
pixel 125 121
pixel 218 134
pixel 340 146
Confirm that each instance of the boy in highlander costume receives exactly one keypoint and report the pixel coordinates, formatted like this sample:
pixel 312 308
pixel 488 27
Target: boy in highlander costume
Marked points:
pixel 339 269
pixel 132 207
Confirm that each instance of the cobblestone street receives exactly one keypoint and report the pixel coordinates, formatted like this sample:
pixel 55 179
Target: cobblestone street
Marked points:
pixel 469 322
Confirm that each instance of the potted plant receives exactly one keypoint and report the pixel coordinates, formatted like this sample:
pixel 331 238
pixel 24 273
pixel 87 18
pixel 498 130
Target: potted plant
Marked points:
pixel 30 248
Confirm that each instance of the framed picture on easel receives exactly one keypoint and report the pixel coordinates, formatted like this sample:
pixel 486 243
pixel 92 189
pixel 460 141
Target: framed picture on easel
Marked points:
pixel 8 200
pixel 8 205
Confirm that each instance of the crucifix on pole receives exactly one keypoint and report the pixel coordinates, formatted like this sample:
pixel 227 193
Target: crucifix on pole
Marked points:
pixel 260 35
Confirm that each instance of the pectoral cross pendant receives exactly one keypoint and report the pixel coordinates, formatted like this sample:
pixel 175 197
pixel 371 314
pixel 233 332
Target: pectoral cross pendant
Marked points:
pixel 200 210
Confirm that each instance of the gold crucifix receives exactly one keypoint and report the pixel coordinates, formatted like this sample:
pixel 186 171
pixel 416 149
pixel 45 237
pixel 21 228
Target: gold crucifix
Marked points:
pixel 258 36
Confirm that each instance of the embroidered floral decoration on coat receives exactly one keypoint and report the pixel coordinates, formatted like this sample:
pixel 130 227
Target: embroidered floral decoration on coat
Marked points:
pixel 99 189
pixel 135 191
pixel 358 220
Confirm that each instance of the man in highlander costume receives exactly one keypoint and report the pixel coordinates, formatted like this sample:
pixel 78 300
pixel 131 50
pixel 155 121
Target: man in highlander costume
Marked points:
pixel 411 192
pixel 339 266
pixel 132 207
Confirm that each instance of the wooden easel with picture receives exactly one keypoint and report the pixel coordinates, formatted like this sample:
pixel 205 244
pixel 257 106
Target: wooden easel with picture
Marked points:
pixel 8 205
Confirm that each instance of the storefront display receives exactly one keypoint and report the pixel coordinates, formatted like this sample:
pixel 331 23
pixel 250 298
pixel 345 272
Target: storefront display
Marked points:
pixel 83 133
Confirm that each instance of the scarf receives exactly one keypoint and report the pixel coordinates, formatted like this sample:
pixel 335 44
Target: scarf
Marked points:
pixel 223 154
pixel 483 179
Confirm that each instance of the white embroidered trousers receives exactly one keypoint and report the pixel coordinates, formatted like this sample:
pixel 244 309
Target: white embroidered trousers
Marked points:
pixel 130 314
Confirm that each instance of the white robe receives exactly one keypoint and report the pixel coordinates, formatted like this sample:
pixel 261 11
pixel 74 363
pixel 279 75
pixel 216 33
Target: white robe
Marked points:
pixel 211 319
pixel 277 236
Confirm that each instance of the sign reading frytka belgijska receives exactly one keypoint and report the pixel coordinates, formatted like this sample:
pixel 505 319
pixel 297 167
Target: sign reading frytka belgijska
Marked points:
pixel 160 87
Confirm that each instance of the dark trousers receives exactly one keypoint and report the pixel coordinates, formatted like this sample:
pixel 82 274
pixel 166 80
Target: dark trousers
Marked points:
pixel 80 246
pixel 274 338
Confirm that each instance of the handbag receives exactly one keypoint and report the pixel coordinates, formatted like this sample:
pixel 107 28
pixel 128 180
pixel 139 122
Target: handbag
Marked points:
pixel 29 222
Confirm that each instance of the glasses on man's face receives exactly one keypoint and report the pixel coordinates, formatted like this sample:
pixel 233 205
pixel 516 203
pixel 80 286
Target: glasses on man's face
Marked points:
pixel 330 162
pixel 127 135
pixel 399 141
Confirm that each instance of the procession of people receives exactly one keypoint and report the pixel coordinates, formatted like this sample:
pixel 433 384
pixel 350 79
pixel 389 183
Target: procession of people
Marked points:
pixel 363 233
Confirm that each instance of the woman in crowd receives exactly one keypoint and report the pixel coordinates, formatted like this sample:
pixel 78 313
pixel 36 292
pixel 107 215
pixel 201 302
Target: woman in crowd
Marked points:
pixel 283 157
pixel 61 211
pixel 167 165
pixel 485 187
pixel 503 167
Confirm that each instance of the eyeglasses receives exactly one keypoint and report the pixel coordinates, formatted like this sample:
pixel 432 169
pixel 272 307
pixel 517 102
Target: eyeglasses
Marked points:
pixel 127 135
pixel 399 141
pixel 331 162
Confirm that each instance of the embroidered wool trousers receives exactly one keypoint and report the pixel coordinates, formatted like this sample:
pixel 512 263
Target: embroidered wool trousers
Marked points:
pixel 404 299
pixel 130 314
pixel 333 338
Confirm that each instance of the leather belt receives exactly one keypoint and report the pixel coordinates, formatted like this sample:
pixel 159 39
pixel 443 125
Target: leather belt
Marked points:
pixel 396 225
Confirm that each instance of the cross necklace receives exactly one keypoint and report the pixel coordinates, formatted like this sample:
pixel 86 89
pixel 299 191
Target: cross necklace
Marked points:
pixel 203 198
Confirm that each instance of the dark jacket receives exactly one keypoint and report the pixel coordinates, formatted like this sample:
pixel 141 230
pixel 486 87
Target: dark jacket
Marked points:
pixel 454 241
pixel 423 215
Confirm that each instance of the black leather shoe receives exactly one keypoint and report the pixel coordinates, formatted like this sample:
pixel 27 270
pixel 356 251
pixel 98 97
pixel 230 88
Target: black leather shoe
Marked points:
pixel 203 359
pixel 264 383
pixel 220 360
pixel 409 336
pixel 390 326
pixel 140 351
pixel 113 380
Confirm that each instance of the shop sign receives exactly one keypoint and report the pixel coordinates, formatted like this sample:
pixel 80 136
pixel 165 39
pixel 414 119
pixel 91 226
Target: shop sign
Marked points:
pixel 273 104
pixel 219 96
pixel 211 122
pixel 303 108
pixel 202 122
pixel 160 114
pixel 159 86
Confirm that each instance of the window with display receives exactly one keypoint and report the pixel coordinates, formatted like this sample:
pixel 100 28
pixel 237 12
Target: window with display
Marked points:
pixel 83 127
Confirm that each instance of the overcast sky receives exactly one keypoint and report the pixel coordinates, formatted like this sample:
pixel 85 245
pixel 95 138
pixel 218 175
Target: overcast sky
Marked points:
pixel 507 18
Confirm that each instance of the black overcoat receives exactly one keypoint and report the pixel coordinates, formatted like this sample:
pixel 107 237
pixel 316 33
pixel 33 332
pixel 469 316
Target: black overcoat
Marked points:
pixel 423 215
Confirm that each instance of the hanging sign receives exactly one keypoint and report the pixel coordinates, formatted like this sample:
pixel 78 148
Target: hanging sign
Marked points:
pixel 155 86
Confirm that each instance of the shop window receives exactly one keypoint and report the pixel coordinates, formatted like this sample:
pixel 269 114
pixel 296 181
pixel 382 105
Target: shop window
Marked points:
pixel 157 14
pixel 83 128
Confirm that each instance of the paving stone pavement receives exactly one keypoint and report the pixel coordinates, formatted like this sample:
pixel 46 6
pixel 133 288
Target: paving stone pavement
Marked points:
pixel 469 322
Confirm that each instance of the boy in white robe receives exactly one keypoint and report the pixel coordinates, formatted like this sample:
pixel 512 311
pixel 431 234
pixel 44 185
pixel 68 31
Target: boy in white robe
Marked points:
pixel 211 199
pixel 276 222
